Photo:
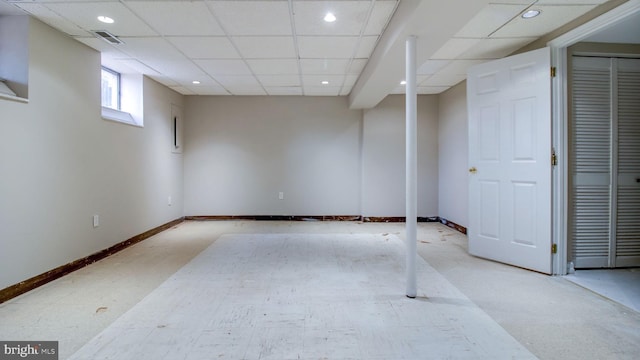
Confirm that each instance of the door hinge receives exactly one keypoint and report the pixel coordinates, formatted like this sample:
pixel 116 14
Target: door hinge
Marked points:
pixel 554 248
pixel 553 71
pixel 554 158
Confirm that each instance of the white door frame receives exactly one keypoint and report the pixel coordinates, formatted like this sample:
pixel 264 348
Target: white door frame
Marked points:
pixel 559 106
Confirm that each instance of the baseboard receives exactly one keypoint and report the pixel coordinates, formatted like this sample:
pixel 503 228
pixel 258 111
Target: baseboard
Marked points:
pixel 39 280
pixel 276 217
pixel 386 219
pixel 453 225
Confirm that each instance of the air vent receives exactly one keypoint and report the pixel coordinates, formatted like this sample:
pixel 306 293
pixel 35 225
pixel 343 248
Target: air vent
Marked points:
pixel 107 36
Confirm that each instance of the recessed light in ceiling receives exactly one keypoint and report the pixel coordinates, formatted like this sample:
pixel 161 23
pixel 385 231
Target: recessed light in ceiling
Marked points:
pixel 105 19
pixel 325 82
pixel 195 82
pixel 403 82
pixel 530 14
pixel 329 17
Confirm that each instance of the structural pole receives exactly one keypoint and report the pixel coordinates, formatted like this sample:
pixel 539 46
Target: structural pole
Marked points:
pixel 412 165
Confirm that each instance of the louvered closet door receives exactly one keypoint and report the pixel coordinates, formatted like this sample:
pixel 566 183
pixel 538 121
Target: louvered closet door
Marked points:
pixel 628 209
pixel 590 152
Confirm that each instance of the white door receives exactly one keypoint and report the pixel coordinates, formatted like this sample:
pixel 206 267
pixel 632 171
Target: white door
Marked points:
pixel 509 107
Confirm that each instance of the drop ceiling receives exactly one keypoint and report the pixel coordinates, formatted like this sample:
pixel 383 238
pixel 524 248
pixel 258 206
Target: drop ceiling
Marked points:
pixel 284 47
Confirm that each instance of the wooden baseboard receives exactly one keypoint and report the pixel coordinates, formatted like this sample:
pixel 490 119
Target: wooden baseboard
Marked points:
pixel 276 217
pixel 453 225
pixel 394 219
pixel 39 280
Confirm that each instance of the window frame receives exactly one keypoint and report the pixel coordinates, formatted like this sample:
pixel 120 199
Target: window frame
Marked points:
pixel 118 88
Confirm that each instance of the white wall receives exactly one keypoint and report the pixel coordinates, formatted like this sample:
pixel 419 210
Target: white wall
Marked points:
pixel 240 152
pixel 453 155
pixel 328 160
pixel 383 158
pixel 61 163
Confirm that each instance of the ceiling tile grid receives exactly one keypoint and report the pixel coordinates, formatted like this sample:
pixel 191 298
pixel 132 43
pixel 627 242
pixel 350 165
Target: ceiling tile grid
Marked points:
pixel 284 47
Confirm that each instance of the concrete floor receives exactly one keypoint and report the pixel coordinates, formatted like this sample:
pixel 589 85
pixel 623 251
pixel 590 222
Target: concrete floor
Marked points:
pixel 550 317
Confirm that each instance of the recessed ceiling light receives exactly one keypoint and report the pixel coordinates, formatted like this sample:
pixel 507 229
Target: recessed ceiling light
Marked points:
pixel 195 82
pixel 329 17
pixel 105 19
pixel 403 82
pixel 325 82
pixel 530 14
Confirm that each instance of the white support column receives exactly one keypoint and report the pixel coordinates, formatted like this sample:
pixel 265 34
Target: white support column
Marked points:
pixel 412 165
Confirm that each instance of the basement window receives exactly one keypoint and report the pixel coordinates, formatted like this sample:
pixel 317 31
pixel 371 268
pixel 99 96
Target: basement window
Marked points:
pixel 120 96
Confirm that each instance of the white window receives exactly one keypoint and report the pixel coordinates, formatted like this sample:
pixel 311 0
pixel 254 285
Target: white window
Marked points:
pixel 121 97
pixel 110 89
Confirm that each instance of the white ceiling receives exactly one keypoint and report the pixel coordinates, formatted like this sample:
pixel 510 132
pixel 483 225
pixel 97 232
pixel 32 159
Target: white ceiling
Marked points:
pixel 283 47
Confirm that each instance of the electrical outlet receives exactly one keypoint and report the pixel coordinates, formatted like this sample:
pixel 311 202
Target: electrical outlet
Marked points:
pixel 169 201
pixel 281 195
pixel 96 221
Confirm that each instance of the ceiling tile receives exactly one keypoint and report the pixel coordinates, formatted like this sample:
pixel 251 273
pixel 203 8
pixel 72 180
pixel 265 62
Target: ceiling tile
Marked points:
pixel 319 47
pixel 102 46
pixel 273 66
pixel 224 67
pixel 454 48
pixel 459 66
pixel 134 65
pixel 443 80
pixel 551 18
pixel 181 18
pixel 85 15
pixel 266 47
pixel 253 17
pixel 247 91
pixel 324 66
pixel 490 18
pixel 380 16
pixel 316 80
pixel 357 65
pixel 432 66
pixel 367 44
pixel 495 48
pixel 322 90
pixel 279 80
pixel 182 90
pixel 205 47
pixel 53 19
pixel 208 90
pixel 150 48
pixel 284 90
pixel 351 17
pixel 245 81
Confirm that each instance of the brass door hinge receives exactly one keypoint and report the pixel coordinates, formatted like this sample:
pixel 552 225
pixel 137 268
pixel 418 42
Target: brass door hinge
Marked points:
pixel 553 71
pixel 554 248
pixel 554 158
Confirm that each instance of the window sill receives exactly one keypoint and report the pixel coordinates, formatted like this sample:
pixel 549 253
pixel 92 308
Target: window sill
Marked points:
pixel 118 116
pixel 13 98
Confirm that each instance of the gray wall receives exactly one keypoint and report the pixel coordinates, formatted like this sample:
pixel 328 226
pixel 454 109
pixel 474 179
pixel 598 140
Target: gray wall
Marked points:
pixel 453 155
pixel 240 152
pixel 383 158
pixel 61 163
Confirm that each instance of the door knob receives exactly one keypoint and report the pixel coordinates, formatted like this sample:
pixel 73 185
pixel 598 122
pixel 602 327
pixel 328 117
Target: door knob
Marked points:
pixel 473 170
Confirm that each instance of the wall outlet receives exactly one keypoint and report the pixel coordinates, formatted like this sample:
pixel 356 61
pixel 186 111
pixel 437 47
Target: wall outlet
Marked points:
pixel 169 201
pixel 96 221
pixel 281 195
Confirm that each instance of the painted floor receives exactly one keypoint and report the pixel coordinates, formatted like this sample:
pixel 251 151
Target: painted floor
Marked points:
pixel 286 290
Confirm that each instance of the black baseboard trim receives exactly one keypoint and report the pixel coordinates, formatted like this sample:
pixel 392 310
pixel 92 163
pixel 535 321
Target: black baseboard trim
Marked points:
pixel 39 280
